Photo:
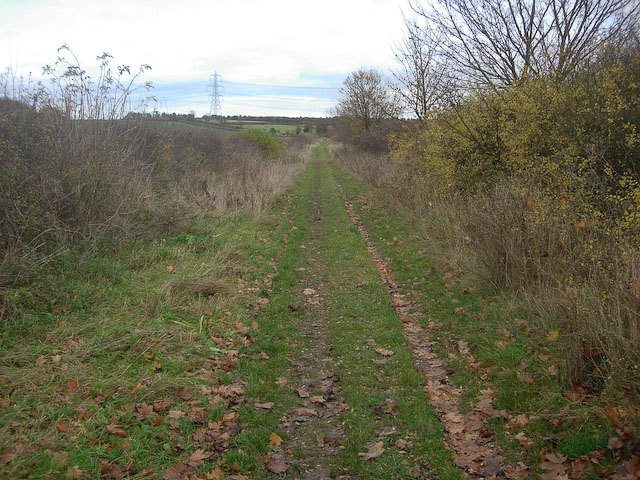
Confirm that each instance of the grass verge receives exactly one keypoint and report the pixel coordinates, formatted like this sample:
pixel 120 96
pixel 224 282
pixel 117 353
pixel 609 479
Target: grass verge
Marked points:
pixel 518 363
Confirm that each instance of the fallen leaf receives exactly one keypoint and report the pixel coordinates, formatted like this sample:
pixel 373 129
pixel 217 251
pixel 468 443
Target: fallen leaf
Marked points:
pixel 276 464
pixel 62 426
pixel 176 414
pixel 177 472
pixel 7 458
pixel 375 450
pixel 116 430
pixel 613 416
pixel 309 291
pixel 384 352
pixel 281 382
pixel 75 473
pixel 197 457
pixel 275 439
pixel 306 412
pixel 302 393
pixel 614 443
pixel 216 474
pixel 553 335
pixel 40 361
pixel 60 458
pixel 71 385
pixel 390 405
pixel 264 406
pixel 403 445
pixel 184 394
pixel 198 415
pixel 322 439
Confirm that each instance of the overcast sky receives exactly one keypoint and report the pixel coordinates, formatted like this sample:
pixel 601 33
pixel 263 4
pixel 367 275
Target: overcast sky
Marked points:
pixel 308 44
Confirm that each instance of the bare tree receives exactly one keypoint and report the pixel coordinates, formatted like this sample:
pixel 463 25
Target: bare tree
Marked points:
pixel 501 42
pixel 365 99
pixel 423 74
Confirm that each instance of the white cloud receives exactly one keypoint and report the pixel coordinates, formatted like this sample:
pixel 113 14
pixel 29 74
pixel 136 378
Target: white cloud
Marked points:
pixel 255 41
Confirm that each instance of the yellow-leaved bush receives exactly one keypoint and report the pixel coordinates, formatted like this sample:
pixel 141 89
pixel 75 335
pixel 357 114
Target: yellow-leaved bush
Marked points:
pixel 549 173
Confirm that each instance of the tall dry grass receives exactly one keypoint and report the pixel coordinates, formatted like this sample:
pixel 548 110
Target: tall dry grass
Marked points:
pixel 563 274
pixel 74 168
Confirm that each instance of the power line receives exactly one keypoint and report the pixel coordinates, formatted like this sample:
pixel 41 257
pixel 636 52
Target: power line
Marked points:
pixel 281 86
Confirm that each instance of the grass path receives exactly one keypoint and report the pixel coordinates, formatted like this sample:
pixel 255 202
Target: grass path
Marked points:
pixel 344 348
pixel 274 347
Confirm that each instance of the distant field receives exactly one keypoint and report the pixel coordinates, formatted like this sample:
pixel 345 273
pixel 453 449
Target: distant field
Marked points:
pixel 277 128
pixel 185 126
pixel 226 127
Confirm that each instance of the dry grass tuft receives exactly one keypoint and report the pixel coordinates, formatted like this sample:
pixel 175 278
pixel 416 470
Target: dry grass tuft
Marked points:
pixel 203 285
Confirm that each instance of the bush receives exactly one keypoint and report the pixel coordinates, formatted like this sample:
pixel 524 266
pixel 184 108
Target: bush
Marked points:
pixel 270 145
pixel 544 179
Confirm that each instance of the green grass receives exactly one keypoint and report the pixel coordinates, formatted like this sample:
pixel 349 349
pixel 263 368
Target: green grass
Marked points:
pixel 288 129
pixel 353 317
pixel 116 321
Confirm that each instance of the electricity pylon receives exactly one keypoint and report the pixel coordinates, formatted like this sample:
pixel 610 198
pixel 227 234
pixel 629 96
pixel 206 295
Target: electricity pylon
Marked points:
pixel 215 96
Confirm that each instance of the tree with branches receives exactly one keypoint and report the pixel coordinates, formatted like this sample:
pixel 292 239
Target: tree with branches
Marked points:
pixel 365 99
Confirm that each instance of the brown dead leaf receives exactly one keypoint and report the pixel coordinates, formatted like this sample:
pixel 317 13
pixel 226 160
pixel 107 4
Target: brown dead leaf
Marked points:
pixel 390 405
pixel 613 416
pixel 302 393
pixel 60 458
pixel 74 473
pixel 144 409
pixel 518 421
pixel 197 457
pixel 375 449
pixel 184 394
pixel 275 439
pixel 7 458
pixel 628 470
pixel 175 414
pixel 282 381
pixel 276 464
pixel 524 378
pixel 177 472
pixel 403 445
pixel 322 440
pixel 264 406
pixel 216 474
pixel 62 426
pixel 198 415
pixel 116 430
pixel 614 443
pixel 306 412
pixel 71 385
pixel 112 470
pixel 384 352
pixel 309 291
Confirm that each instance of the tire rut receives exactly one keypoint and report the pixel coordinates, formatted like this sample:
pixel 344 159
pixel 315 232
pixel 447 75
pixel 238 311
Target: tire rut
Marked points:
pixel 313 426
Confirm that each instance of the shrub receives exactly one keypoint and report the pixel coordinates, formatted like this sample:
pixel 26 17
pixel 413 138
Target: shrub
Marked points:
pixel 270 145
